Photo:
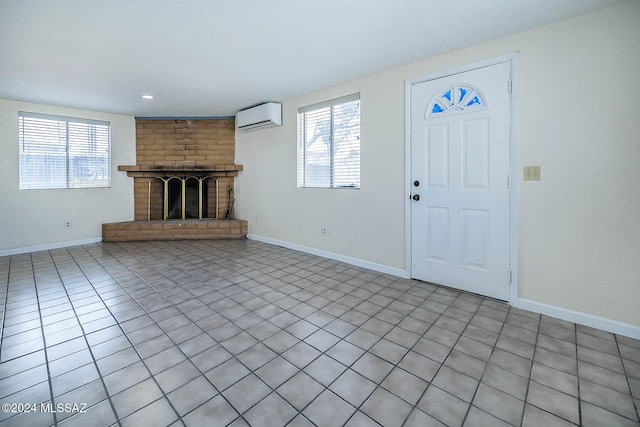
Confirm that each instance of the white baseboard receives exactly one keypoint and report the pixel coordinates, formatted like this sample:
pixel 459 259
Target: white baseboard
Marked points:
pixel 332 255
pixel 608 325
pixel 49 246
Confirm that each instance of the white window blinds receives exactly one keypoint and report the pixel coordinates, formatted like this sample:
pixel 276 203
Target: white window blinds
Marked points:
pixel 62 152
pixel 329 144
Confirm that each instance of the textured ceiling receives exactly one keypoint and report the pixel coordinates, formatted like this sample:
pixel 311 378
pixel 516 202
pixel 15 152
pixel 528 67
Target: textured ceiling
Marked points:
pixel 214 57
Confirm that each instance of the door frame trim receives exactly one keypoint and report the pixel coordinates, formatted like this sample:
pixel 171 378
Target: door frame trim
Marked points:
pixel 513 60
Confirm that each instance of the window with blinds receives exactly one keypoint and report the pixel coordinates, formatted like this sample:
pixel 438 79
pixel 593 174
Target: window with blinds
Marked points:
pixel 62 152
pixel 329 144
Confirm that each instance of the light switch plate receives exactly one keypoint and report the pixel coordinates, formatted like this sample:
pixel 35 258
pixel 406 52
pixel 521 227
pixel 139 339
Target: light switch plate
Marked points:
pixel 532 173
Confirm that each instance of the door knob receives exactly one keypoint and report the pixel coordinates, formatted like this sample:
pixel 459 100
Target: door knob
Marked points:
pixel 416 183
pixel 416 197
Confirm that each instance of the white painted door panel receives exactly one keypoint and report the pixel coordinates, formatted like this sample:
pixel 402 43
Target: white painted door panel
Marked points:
pixel 460 158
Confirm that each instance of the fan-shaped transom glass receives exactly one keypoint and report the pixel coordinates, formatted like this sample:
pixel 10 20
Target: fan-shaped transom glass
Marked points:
pixel 454 99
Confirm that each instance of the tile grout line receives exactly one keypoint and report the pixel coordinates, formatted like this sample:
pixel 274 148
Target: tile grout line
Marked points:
pixel 9 269
pixel 84 335
pixel 233 356
pixel 380 338
pixel 486 365
pixel 394 365
pixel 284 329
pixel 626 376
pixel 5 304
pixel 339 338
pixel 324 352
pixel 44 338
pixel 579 379
pixel 575 331
pixel 430 383
pixel 119 421
pixel 378 385
pixel 166 334
pixel 119 323
pixel 252 371
pixel 535 347
pixel 623 373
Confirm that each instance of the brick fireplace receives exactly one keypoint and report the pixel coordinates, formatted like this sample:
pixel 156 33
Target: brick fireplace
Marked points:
pixel 182 156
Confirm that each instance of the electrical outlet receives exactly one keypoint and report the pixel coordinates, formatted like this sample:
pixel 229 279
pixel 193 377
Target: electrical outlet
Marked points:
pixel 67 224
pixel 257 218
pixel 532 173
pixel 324 230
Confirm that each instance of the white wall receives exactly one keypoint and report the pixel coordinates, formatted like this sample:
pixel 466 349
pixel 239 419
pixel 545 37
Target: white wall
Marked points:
pixel 579 228
pixel 31 219
pixel 365 223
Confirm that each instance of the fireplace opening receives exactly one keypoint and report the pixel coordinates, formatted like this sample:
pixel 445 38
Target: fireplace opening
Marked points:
pixel 194 200
pixel 182 197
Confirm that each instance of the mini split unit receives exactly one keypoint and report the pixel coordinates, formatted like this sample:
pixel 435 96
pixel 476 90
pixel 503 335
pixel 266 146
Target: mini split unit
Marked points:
pixel 259 117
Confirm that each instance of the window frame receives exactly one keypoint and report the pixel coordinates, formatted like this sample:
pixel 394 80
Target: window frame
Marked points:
pixel 69 182
pixel 302 163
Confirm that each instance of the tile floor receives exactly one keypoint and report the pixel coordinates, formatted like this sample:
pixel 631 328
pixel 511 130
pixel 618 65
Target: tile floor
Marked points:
pixel 242 333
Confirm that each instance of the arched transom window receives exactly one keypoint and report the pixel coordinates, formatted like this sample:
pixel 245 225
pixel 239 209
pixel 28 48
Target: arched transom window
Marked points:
pixel 454 99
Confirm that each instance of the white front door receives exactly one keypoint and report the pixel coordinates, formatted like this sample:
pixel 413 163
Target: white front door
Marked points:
pixel 460 130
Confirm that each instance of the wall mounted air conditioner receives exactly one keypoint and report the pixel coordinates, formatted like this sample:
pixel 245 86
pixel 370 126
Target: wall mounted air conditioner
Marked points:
pixel 259 117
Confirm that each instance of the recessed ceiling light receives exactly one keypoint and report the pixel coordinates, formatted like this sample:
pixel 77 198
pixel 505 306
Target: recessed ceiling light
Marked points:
pixel 147 96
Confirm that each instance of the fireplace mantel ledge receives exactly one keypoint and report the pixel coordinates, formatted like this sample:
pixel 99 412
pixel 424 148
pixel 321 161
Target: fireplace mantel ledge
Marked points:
pixel 155 170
